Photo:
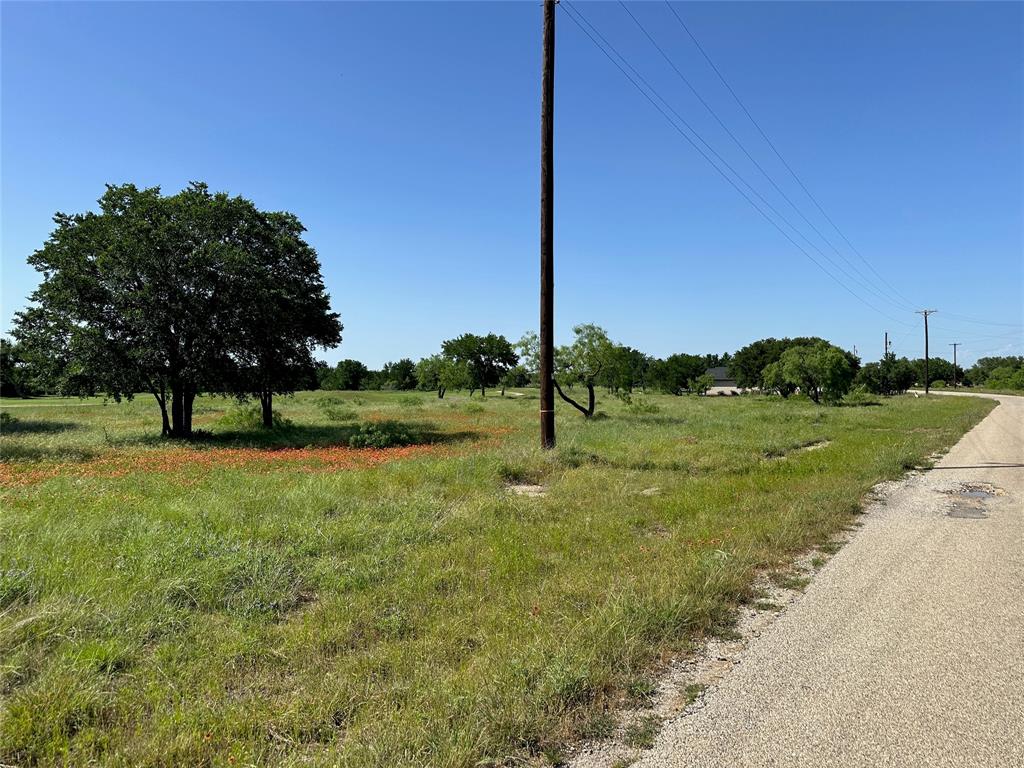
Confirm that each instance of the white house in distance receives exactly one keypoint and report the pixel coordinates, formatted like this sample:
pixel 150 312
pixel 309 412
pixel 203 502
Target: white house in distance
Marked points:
pixel 724 384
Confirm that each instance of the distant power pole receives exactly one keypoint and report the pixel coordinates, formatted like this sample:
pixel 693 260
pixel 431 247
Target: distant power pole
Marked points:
pixel 954 345
pixel 886 352
pixel 547 246
pixel 926 312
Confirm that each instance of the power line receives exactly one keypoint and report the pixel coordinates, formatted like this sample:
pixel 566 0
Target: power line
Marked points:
pixel 966 319
pixel 573 12
pixel 778 154
pixel 860 277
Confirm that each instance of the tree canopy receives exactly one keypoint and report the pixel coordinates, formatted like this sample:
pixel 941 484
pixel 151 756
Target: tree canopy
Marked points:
pixel 820 370
pixel 889 376
pixel 177 295
pixel 582 362
pixel 486 358
pixel 674 374
pixel 748 363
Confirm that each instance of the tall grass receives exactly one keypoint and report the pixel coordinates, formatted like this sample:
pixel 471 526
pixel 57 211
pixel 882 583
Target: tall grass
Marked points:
pixel 415 612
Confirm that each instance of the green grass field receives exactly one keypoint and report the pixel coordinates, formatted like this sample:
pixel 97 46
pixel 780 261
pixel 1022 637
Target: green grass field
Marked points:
pixel 281 599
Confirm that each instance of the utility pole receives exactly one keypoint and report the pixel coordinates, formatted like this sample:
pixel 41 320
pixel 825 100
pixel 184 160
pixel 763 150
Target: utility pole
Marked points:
pixel 954 345
pixel 886 352
pixel 926 312
pixel 547 245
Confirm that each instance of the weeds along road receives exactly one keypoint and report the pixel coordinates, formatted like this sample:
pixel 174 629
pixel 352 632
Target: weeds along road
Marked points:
pixel 908 648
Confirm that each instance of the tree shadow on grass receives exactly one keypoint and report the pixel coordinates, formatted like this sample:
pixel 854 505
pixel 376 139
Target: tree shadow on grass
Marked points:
pixel 15 453
pixel 322 436
pixel 36 426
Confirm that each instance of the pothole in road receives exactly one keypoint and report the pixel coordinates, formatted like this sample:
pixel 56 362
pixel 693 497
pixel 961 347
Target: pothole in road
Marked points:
pixel 969 500
pixel 968 511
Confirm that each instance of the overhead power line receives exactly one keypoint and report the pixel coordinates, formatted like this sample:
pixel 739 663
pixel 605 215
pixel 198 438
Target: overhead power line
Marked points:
pixel 572 12
pixel 859 277
pixel 965 319
pixel 782 159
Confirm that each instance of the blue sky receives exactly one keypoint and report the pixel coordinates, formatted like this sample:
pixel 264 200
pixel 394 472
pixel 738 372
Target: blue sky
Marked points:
pixel 406 138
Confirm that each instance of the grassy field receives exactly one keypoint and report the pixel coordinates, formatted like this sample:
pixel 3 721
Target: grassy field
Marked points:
pixel 279 598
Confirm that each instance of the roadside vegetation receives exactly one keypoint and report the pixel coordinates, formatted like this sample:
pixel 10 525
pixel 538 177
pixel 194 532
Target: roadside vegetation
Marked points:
pixel 361 585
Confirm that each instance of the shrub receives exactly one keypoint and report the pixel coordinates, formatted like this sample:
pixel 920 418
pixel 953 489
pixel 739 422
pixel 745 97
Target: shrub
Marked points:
pixel 336 410
pixel 251 418
pixel 860 395
pixel 640 405
pixel 382 434
pixel 6 420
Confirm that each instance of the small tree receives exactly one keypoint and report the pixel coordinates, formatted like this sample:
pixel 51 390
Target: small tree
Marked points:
pixel 821 371
pixel 440 374
pixel 886 377
pixel 528 348
pixel 486 358
pixel 582 362
pixel 516 376
pixel 702 384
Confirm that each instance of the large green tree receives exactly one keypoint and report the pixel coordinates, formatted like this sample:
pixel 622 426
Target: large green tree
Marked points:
pixel 347 374
pixel 820 370
pixel 174 295
pixel 487 358
pixel 286 312
pixel 674 374
pixel 748 363
pixel 399 375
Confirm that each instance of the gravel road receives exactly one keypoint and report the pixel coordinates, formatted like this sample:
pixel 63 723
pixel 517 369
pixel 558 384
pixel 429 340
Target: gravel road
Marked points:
pixel 908 648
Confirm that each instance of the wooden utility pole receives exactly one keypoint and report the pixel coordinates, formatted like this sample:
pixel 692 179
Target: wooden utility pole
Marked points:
pixel 926 312
pixel 886 352
pixel 547 245
pixel 954 345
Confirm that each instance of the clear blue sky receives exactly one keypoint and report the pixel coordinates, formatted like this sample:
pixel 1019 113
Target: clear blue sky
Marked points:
pixel 406 138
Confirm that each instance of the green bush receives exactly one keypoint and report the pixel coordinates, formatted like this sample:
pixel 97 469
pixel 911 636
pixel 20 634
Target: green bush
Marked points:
pixel 6 420
pixel 382 434
pixel 640 405
pixel 860 395
pixel 251 418
pixel 336 410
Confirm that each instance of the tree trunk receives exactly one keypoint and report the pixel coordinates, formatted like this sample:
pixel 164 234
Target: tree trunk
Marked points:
pixel 161 399
pixel 267 404
pixel 589 411
pixel 482 392
pixel 177 411
pixel 440 393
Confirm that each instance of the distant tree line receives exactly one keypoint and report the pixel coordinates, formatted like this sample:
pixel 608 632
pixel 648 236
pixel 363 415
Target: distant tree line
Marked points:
pixel 475 363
